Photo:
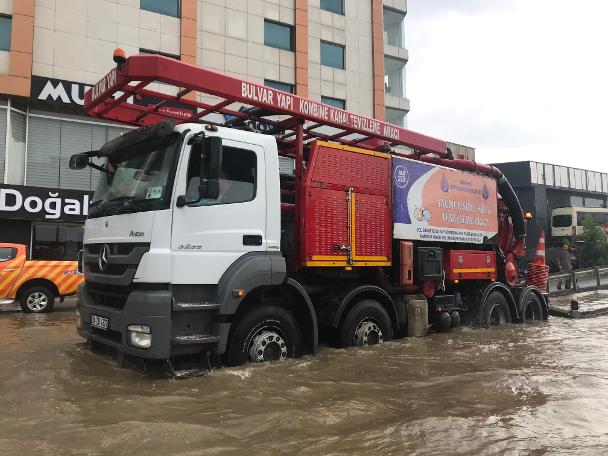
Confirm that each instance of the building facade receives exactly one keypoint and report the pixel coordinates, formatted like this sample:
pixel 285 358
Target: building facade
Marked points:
pixel 348 53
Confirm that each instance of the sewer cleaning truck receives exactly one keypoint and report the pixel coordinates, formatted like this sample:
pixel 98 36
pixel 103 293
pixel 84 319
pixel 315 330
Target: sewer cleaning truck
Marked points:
pixel 195 243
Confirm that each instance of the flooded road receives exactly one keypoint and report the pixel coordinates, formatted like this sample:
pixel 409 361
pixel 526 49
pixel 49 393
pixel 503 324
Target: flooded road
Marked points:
pixel 521 390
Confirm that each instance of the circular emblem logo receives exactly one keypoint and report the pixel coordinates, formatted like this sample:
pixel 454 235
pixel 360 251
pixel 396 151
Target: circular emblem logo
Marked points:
pixel 106 223
pixel 102 260
pixel 485 193
pixel 401 176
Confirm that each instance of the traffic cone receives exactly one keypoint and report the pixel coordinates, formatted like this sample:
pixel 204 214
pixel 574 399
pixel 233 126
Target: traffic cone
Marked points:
pixel 539 258
pixel 538 272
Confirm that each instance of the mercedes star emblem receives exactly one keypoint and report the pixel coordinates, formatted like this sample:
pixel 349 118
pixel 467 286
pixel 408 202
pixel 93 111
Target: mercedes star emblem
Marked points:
pixel 102 261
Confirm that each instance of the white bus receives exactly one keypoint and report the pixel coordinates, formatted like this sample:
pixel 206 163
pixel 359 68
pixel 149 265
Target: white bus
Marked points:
pixel 568 221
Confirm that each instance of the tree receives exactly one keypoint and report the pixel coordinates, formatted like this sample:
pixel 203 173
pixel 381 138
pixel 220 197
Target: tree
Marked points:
pixel 593 250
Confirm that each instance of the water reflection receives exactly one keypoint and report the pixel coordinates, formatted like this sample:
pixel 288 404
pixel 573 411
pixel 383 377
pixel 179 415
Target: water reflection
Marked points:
pixel 537 389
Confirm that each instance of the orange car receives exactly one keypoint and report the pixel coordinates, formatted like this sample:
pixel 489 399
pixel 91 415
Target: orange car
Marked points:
pixel 35 283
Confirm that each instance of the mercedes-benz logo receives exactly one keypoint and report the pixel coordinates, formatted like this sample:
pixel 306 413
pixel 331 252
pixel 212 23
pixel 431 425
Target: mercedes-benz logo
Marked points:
pixel 102 261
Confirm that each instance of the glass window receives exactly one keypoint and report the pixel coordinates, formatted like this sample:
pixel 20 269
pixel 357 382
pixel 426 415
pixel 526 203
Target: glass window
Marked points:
pixel 533 173
pixel 7 253
pixel 601 218
pixel 549 175
pixel 278 35
pixel 237 177
pixel 167 7
pixel 279 85
pixel 594 202
pixel 138 178
pixel 540 173
pixel 557 177
pixel 55 241
pixel 564 176
pixel 562 221
pixel 394 30
pixel 396 117
pixel 590 180
pixel 335 6
pixel 335 102
pixel 332 55
pixel 5 33
pixel 572 175
pixel 576 200
pixel 581 183
pixel 394 77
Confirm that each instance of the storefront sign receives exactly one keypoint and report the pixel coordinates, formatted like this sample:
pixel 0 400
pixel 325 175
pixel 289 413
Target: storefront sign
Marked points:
pixel 37 203
pixel 58 91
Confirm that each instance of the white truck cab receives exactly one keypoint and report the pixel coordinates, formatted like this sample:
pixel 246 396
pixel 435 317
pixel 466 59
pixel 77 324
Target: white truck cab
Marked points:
pixel 176 207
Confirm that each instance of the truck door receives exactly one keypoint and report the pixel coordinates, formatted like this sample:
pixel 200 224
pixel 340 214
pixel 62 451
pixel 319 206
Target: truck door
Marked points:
pixel 12 258
pixel 208 235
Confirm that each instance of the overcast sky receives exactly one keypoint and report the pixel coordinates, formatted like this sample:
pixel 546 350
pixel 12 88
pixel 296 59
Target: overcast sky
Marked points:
pixel 516 79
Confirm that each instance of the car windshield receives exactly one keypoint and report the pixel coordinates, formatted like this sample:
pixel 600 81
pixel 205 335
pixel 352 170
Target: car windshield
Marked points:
pixel 136 179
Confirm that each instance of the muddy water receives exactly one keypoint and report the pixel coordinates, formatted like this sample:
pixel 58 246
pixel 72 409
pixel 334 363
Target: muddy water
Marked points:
pixel 521 390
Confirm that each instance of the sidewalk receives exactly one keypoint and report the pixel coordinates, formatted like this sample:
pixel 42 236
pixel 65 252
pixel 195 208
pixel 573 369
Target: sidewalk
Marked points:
pixel 591 304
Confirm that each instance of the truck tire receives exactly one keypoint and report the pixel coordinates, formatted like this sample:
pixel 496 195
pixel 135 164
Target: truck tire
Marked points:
pixel 495 310
pixel 366 323
pixel 532 309
pixel 37 300
pixel 268 333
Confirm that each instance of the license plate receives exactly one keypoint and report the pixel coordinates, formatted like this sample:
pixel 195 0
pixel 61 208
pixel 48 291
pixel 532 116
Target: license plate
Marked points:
pixel 99 322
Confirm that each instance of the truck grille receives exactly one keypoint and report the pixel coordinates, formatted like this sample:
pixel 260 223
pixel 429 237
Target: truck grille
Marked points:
pixel 121 262
pixel 104 295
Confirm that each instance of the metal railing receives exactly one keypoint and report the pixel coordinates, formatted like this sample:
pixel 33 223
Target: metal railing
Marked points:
pixel 578 280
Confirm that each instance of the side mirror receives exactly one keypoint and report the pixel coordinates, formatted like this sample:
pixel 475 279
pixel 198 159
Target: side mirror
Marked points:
pixel 79 161
pixel 211 164
pixel 211 157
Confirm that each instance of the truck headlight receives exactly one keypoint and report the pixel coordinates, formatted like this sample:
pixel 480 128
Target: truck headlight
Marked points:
pixel 139 336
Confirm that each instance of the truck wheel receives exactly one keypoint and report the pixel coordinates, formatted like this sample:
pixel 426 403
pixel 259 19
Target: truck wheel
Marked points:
pixel 532 309
pixel 367 323
pixel 37 300
pixel 495 310
pixel 268 333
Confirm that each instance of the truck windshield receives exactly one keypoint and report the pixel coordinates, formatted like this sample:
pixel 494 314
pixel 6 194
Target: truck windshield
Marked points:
pixel 137 179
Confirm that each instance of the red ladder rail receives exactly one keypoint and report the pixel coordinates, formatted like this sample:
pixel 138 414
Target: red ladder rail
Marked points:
pixel 112 98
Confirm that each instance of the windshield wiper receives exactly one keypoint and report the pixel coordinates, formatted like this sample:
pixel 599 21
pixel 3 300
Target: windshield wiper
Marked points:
pixel 127 200
pixel 112 206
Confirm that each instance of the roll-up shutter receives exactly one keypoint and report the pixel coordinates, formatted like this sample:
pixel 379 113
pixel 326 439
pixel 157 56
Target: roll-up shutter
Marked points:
pixel 16 147
pixel 75 138
pixel 2 143
pixel 43 152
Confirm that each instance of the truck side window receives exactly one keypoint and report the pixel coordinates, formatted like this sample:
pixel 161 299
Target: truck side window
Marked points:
pixel 7 253
pixel 237 177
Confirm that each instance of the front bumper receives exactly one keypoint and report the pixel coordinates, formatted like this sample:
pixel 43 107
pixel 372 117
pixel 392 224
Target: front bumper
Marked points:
pixel 142 307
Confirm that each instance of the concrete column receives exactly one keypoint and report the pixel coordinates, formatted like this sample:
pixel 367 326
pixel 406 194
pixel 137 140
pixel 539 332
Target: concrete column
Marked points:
pixel 301 32
pixel 188 35
pixel 378 57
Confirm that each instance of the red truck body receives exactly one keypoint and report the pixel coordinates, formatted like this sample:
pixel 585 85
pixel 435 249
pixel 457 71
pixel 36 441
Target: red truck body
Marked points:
pixel 373 211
